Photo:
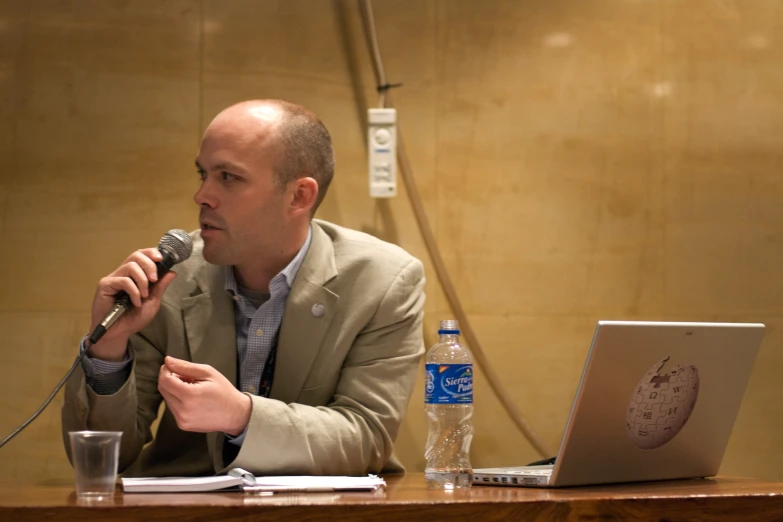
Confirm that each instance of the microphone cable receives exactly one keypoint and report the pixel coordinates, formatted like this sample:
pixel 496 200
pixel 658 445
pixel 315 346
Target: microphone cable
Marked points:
pixel 175 246
pixel 46 402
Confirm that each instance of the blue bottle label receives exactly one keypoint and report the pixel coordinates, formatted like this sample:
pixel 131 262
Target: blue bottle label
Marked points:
pixel 448 384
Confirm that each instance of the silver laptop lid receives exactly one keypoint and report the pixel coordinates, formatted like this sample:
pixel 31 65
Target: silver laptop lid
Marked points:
pixel 656 401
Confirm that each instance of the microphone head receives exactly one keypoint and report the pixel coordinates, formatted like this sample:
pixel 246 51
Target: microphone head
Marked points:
pixel 177 242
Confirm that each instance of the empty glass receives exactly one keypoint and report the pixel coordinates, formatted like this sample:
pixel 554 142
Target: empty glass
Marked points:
pixel 95 456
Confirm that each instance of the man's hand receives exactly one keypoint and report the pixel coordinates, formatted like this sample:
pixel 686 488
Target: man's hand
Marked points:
pixel 134 276
pixel 202 399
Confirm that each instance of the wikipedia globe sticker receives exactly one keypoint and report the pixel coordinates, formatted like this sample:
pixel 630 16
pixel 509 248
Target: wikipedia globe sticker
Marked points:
pixel 661 404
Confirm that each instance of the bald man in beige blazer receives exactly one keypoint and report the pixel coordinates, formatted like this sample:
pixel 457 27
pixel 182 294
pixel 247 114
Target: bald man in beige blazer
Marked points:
pixel 348 346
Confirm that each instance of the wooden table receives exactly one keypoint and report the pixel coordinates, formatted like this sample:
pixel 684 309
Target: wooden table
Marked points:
pixel 406 498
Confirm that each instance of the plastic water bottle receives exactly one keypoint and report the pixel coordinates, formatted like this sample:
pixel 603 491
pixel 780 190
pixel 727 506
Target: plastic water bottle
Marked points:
pixel 448 401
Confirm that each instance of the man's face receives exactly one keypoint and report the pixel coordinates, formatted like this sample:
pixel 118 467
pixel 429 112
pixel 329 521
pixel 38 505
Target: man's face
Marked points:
pixel 243 210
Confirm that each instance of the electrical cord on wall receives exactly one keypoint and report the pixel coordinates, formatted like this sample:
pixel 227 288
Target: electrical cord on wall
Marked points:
pixel 368 24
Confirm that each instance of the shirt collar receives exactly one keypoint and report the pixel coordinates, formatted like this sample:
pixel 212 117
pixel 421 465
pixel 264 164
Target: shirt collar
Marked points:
pixel 287 275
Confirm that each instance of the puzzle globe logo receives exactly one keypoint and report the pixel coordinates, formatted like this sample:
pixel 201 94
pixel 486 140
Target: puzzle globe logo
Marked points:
pixel 661 404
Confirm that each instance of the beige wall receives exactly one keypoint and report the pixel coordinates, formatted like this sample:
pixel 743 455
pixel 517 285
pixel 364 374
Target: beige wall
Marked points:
pixel 580 160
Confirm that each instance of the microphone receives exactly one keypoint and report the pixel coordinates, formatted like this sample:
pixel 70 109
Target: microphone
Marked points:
pixel 175 247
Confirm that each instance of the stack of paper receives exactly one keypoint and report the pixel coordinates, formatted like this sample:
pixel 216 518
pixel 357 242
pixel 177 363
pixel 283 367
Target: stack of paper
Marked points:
pixel 181 484
pixel 368 483
pixel 239 479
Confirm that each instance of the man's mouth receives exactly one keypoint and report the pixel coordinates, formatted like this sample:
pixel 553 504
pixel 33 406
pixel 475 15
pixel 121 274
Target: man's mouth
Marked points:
pixel 207 226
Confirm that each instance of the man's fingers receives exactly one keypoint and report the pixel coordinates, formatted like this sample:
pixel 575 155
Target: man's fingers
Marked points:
pixel 171 385
pixel 152 253
pixel 135 284
pixel 135 272
pixel 146 258
pixel 161 286
pixel 172 402
pixel 112 285
pixel 188 369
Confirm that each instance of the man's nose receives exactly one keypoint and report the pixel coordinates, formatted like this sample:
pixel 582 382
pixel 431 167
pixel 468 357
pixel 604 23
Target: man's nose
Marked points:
pixel 205 196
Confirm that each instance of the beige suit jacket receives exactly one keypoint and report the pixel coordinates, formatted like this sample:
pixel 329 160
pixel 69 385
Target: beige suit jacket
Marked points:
pixel 342 380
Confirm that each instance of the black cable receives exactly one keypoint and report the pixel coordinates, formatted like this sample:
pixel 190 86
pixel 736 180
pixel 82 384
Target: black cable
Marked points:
pixel 386 86
pixel 46 402
pixel 544 462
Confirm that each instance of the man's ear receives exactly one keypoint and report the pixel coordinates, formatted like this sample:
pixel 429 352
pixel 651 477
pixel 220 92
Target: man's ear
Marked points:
pixel 305 192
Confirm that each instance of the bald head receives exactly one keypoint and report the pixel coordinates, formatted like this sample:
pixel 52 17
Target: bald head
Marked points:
pixel 252 116
pixel 297 140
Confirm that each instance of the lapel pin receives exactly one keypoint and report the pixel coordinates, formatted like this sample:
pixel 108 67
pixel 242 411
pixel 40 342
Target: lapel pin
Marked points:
pixel 318 310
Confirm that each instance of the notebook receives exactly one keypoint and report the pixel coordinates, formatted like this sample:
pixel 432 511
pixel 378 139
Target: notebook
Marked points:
pixel 238 479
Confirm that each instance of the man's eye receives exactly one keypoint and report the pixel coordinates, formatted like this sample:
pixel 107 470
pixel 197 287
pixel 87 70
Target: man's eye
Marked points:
pixel 225 176
pixel 201 174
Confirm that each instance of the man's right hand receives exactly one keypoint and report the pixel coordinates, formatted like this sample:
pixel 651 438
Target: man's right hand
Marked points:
pixel 134 276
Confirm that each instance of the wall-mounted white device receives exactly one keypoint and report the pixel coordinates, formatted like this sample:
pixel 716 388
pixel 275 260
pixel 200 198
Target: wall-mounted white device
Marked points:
pixel 382 151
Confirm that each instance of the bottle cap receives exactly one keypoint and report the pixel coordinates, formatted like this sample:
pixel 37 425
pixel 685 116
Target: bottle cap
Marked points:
pixel 449 326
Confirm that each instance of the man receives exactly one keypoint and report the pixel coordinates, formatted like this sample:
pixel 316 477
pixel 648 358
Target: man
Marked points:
pixel 284 345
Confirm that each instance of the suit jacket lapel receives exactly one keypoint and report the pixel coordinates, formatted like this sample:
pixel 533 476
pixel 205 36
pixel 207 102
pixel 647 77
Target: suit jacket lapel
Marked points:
pixel 304 323
pixel 211 334
pixel 209 323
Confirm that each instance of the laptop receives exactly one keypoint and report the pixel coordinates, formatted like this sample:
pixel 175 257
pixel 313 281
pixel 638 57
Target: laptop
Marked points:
pixel 657 401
